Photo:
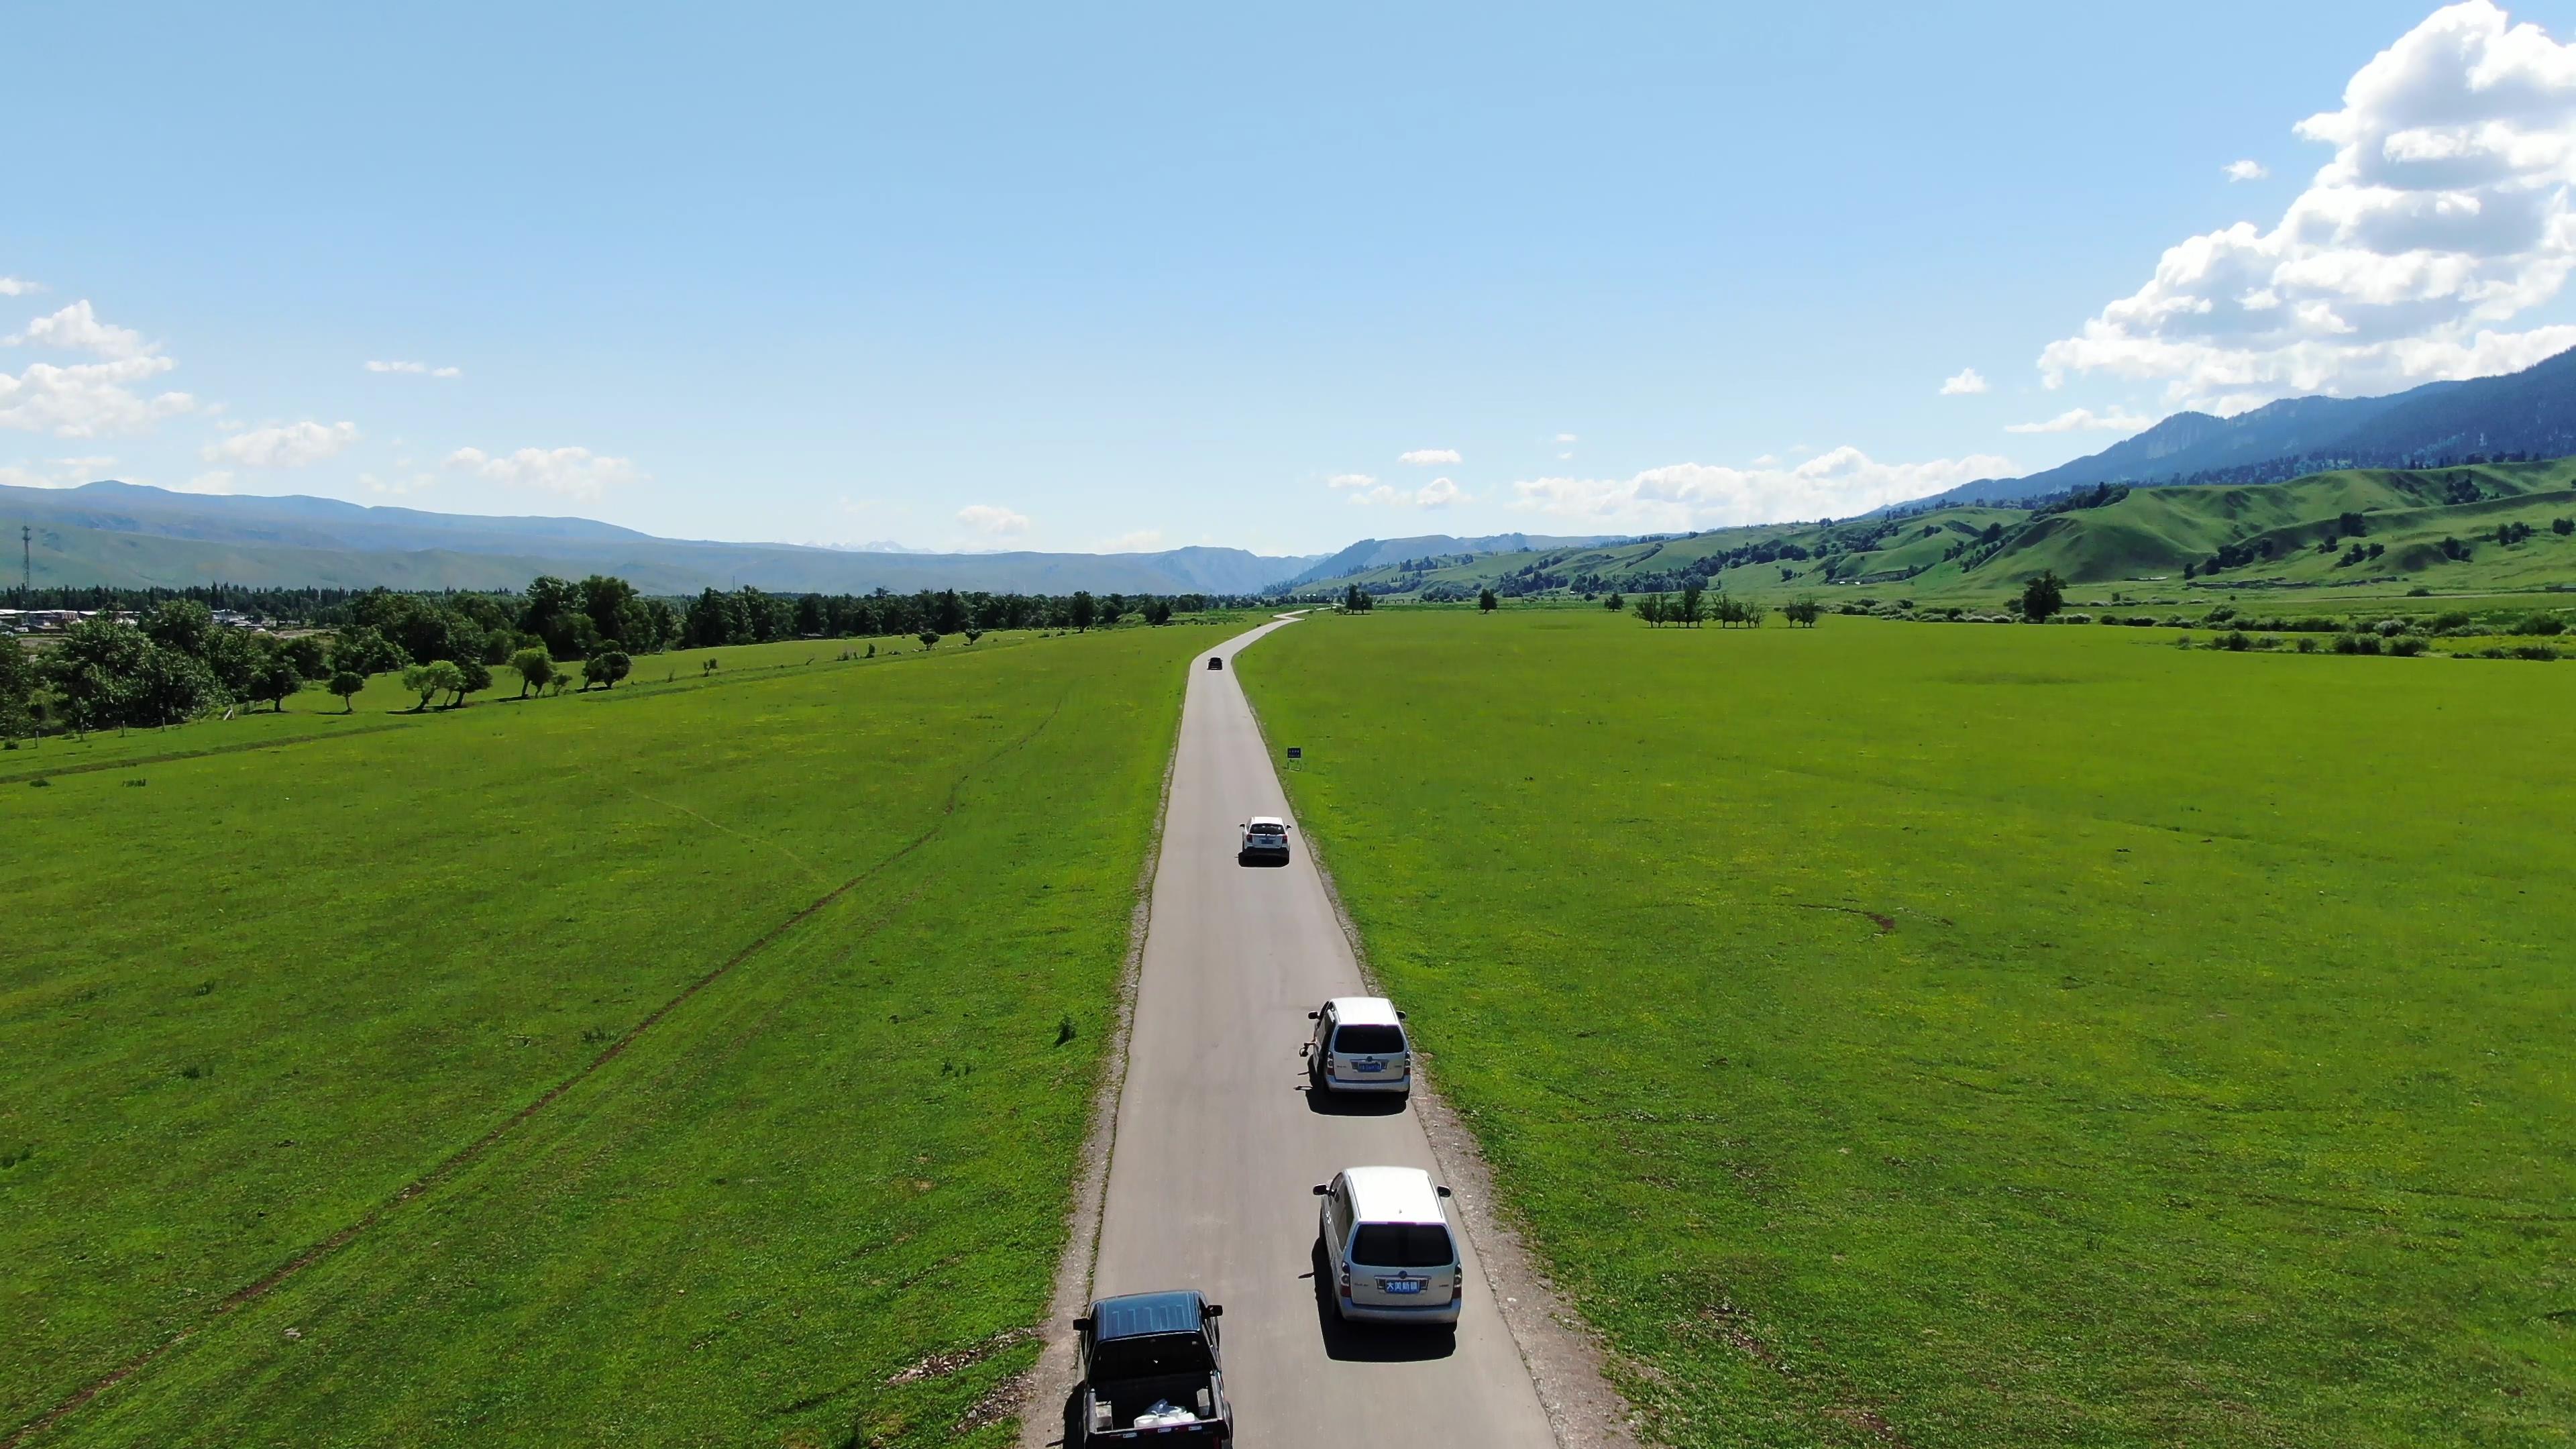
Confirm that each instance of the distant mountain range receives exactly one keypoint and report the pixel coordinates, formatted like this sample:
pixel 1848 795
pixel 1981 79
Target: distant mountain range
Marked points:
pixel 1373 553
pixel 2526 414
pixel 133 536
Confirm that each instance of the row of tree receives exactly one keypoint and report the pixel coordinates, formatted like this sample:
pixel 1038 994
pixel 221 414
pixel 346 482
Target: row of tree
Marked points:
pixel 1694 606
pixel 174 662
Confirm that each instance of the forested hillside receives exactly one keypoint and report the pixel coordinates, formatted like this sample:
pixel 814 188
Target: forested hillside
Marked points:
pixel 2488 526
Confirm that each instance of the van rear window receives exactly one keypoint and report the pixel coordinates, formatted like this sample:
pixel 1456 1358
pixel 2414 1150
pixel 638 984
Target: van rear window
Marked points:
pixel 1376 1041
pixel 1270 830
pixel 1403 1245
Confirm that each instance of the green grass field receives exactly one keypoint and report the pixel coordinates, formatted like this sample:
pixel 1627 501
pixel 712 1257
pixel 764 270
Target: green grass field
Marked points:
pixel 683 1065
pixel 1986 1036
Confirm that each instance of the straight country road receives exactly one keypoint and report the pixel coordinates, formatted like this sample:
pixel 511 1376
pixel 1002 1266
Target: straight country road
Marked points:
pixel 1217 1145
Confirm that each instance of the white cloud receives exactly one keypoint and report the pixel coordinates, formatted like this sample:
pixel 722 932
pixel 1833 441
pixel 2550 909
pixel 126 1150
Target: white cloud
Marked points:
pixel 290 445
pixel 56 472
pixel 2246 171
pixel 219 480
pixel 88 399
pixel 77 329
pixel 572 472
pixel 1430 457
pixel 993 521
pixel 17 287
pixel 1369 493
pixel 397 487
pixel 1968 381
pixel 1143 540
pixel 1440 493
pixel 1350 480
pixel 2075 420
pixel 1566 438
pixel 421 369
pixel 2445 214
pixel 1695 495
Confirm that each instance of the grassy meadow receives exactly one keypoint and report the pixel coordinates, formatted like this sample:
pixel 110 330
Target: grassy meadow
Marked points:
pixel 699 1063
pixel 1897 1034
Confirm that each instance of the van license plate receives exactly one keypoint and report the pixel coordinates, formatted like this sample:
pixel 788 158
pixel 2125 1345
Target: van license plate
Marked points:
pixel 1400 1285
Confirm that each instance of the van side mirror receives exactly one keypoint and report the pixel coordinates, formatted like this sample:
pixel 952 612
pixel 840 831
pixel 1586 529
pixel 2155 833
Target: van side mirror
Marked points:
pixel 1216 1310
pixel 1312 1015
pixel 1444 1192
pixel 1321 1189
pixel 1082 1324
pixel 1399 1016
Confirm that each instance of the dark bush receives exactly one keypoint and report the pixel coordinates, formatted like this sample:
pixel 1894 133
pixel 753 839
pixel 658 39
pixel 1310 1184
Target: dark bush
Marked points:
pixel 2542 625
pixel 2407 646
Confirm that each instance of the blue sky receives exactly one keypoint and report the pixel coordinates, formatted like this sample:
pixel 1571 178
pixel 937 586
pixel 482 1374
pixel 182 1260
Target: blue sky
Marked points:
pixel 1111 276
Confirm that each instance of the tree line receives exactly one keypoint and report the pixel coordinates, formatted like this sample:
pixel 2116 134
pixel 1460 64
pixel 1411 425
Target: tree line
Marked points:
pixel 173 662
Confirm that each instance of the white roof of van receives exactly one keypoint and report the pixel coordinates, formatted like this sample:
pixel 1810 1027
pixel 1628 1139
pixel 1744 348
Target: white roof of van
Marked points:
pixel 1267 820
pixel 1363 1011
pixel 1392 1195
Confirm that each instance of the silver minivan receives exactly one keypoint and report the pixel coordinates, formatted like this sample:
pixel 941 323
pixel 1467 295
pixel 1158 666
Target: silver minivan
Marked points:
pixel 1359 1045
pixel 1388 1248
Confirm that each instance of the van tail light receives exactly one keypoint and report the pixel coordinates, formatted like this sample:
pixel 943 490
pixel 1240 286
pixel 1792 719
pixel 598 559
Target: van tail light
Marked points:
pixel 1346 1282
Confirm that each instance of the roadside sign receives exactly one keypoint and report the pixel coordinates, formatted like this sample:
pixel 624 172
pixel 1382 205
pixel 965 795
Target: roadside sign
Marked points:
pixel 1296 753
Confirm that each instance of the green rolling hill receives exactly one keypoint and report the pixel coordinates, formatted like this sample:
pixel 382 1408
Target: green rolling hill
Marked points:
pixel 2450 530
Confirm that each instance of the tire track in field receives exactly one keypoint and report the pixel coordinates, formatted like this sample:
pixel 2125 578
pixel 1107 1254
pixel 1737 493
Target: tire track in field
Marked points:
pixel 474 1151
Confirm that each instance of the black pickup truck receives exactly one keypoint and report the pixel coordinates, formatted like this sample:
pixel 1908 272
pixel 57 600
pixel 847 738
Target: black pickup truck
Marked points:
pixel 1150 1371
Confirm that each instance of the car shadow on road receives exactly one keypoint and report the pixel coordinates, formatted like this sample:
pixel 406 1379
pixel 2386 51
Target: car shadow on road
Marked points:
pixel 1371 1342
pixel 1257 862
pixel 1351 1104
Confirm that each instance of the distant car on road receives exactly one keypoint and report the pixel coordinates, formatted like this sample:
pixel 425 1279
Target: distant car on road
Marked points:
pixel 1359 1045
pixel 1150 1371
pixel 1388 1248
pixel 1265 837
pixel 1216 661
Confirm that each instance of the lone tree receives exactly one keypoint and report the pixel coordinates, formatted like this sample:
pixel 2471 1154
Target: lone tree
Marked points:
pixel 437 677
pixel 1084 609
pixel 1614 603
pixel 346 684
pixel 273 680
pixel 536 669
pixel 473 676
pixel 1486 601
pixel 1802 611
pixel 605 668
pixel 2042 597
pixel 929 638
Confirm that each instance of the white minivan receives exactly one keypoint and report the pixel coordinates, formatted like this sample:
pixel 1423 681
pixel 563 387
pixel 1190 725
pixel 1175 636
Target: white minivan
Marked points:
pixel 1388 1248
pixel 1359 1046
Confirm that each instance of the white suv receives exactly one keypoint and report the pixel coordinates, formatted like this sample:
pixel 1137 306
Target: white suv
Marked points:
pixel 1388 1248
pixel 1265 837
pixel 1359 1046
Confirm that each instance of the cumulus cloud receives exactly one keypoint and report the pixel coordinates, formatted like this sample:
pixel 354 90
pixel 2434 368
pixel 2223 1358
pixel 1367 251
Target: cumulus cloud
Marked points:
pixel 55 472
pixel 219 480
pixel 993 521
pixel 289 445
pixel 421 369
pixel 2444 215
pixel 87 399
pixel 77 329
pixel 2246 171
pixel 1565 438
pixel 1440 493
pixel 1968 380
pixel 1430 457
pixel 1696 495
pixel 1350 480
pixel 17 287
pixel 2081 420
pixel 572 472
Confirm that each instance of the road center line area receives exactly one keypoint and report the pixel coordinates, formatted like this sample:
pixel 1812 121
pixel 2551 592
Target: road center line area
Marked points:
pixel 1219 1143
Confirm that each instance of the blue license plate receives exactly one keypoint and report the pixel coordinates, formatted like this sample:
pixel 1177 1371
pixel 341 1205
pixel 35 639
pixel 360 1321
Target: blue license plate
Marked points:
pixel 1368 1066
pixel 1400 1285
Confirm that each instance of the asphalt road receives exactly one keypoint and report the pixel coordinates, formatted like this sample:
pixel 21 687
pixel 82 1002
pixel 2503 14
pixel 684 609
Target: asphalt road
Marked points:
pixel 1217 1146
